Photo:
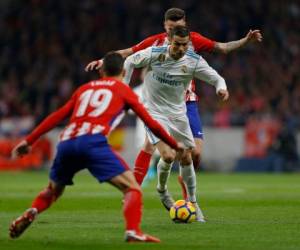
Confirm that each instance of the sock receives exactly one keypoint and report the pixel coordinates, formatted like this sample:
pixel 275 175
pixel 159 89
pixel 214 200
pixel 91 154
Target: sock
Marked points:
pixel 141 166
pixel 132 209
pixel 44 199
pixel 163 173
pixel 189 178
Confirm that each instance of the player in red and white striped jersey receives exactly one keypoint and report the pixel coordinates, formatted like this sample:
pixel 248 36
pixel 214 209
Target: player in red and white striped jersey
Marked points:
pixel 198 43
pixel 93 106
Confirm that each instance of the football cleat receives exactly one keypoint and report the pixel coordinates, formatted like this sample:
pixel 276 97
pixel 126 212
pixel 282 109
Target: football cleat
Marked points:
pixel 199 214
pixel 19 225
pixel 133 236
pixel 165 198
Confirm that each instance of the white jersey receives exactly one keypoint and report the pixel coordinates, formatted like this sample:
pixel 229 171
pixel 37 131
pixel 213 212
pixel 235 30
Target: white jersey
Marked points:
pixel 167 80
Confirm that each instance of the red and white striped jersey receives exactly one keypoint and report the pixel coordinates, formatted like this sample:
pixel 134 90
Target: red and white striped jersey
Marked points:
pixel 94 107
pixel 198 43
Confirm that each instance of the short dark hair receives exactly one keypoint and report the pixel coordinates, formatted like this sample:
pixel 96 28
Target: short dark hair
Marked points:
pixel 113 63
pixel 174 14
pixel 180 30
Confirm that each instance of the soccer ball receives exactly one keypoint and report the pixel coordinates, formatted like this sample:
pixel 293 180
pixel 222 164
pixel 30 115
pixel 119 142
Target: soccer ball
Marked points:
pixel 183 212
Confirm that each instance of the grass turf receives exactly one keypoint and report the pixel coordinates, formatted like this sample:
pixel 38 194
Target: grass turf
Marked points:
pixel 244 211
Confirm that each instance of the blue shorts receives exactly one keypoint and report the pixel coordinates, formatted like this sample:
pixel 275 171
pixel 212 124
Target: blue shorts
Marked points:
pixel 88 151
pixel 194 119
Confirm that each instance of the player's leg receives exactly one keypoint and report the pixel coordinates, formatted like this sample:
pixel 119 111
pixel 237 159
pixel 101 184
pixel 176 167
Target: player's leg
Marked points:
pixel 196 157
pixel 62 171
pixel 142 161
pixel 165 163
pixel 197 131
pixel 182 132
pixel 106 166
pixel 189 178
pixel 132 208
pixel 163 172
pixel 197 152
pixel 43 201
pixel 196 128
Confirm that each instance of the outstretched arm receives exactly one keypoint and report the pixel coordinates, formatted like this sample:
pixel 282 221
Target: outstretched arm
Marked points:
pixel 97 64
pixel 225 48
pixel 50 122
pixel 47 124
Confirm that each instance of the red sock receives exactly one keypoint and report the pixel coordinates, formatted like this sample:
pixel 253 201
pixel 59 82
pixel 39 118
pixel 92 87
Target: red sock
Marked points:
pixel 44 199
pixel 141 166
pixel 132 209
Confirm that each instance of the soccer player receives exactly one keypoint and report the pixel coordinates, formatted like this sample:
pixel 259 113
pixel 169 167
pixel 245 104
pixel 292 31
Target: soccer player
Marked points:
pixel 93 108
pixel 172 69
pixel 198 43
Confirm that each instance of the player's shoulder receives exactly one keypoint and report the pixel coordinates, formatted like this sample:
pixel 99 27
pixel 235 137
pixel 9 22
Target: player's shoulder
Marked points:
pixel 120 86
pixel 100 83
pixel 159 49
pixel 82 88
pixel 159 53
pixel 192 55
pixel 196 35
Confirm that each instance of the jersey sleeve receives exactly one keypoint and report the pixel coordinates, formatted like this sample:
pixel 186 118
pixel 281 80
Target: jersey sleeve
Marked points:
pixel 132 100
pixel 206 73
pixel 201 43
pixel 138 60
pixel 145 43
pixel 51 121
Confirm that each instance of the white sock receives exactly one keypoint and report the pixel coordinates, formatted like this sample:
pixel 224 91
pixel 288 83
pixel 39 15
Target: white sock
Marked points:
pixel 163 173
pixel 189 178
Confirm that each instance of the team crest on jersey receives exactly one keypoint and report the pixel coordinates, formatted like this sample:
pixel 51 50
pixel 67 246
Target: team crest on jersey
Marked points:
pixel 161 58
pixel 137 58
pixel 184 69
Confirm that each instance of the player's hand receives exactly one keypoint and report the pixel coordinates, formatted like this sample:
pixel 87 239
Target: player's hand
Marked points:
pixel 223 94
pixel 94 65
pixel 254 36
pixel 20 150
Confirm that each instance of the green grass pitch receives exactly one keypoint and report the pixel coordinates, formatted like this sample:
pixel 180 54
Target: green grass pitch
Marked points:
pixel 244 211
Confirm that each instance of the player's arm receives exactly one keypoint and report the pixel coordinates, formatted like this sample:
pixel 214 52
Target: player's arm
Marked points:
pixel 46 125
pixel 97 64
pixel 225 48
pixel 132 102
pixel 140 59
pixel 207 74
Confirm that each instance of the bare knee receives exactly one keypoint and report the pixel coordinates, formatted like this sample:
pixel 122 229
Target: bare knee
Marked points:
pixel 186 158
pixel 168 156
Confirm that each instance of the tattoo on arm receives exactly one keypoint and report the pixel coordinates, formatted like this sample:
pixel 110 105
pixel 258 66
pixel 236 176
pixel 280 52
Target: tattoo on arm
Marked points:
pixel 230 46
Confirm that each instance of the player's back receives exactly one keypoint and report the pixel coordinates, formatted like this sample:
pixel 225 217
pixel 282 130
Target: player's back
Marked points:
pixel 97 105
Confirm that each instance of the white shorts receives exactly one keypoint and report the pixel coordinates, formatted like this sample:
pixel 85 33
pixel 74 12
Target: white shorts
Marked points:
pixel 179 128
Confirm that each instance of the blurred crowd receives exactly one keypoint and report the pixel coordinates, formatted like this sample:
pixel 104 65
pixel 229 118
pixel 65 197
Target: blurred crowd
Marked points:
pixel 45 45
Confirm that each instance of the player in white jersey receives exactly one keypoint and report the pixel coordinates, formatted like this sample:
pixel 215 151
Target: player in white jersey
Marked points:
pixel 171 68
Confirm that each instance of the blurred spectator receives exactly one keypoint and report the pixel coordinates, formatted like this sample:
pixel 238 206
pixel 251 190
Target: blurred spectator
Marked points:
pixel 260 133
pixel 283 154
pixel 45 44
